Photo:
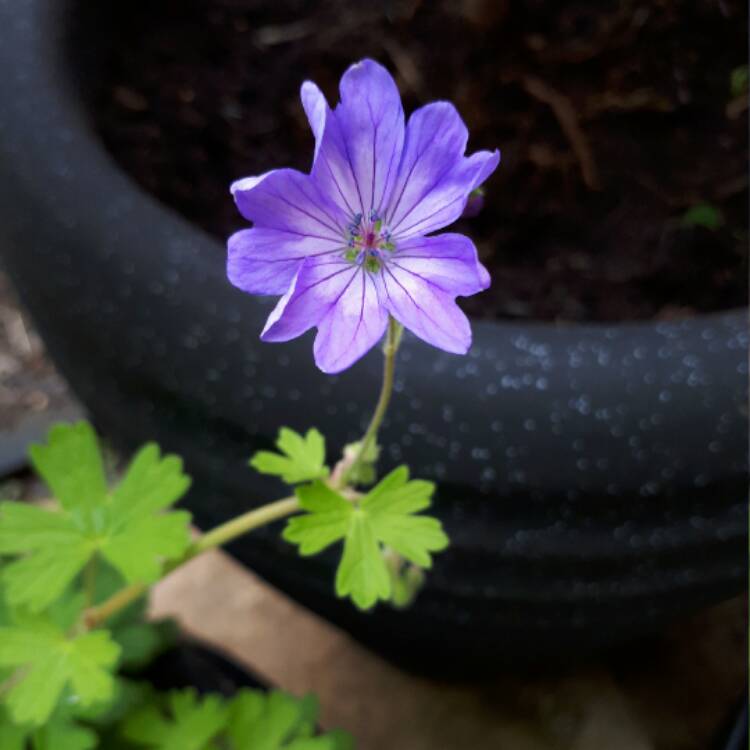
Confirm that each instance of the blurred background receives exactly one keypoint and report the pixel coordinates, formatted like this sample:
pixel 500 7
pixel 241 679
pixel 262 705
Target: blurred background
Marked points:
pixel 622 195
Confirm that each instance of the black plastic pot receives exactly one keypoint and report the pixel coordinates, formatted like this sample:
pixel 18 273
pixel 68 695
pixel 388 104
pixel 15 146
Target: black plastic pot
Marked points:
pixel 592 478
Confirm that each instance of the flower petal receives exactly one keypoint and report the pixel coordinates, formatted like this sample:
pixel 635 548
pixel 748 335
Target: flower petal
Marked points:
pixel 425 309
pixel 288 200
pixel 314 290
pixel 434 177
pixel 264 261
pixel 362 140
pixel 447 261
pixel 316 109
pixel 338 297
pixel 352 326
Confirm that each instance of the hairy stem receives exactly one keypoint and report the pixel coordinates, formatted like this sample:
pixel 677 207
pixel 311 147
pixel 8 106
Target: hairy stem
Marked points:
pixel 390 347
pixel 226 532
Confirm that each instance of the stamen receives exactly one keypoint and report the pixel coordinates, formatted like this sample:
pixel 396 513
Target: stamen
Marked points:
pixel 367 240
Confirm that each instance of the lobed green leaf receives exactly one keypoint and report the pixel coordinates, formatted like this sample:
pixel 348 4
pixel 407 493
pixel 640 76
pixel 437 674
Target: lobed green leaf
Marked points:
pixel 326 522
pixel 61 732
pixel 71 465
pixel 252 720
pixel 128 527
pixel 362 573
pixel 301 459
pixel 384 519
pixel 269 721
pixel 12 736
pixel 47 662
pixel 187 722
pixel 278 721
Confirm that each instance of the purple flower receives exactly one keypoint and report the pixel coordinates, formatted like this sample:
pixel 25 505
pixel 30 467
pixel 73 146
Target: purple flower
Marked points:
pixel 346 245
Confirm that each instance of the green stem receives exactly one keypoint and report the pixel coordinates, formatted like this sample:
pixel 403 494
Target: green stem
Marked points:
pixel 95 616
pixel 253 519
pixel 226 532
pixel 390 347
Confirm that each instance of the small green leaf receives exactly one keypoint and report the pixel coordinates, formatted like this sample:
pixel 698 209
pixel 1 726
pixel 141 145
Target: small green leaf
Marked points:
pixel 278 721
pixel 390 507
pixel 71 465
pixel 187 722
pixel 12 736
pixel 362 573
pixel 64 734
pixel 53 559
pixel 266 721
pixel 138 549
pixel 738 80
pixel 152 483
pixel 128 696
pixel 384 518
pixel 326 521
pixel 128 527
pixel 141 642
pixel 703 215
pixel 61 732
pixel 301 459
pixel 406 580
pixel 47 661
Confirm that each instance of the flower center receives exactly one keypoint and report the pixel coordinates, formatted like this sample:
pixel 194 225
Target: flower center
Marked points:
pixel 368 242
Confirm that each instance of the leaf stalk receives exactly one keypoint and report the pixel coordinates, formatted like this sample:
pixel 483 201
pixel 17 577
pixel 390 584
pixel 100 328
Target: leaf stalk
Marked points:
pixel 95 616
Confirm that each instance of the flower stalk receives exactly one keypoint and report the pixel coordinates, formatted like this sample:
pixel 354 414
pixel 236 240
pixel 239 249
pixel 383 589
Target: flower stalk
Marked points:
pixel 390 347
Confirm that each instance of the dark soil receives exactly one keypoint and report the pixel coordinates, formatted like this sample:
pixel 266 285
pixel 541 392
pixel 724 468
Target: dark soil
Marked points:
pixel 614 119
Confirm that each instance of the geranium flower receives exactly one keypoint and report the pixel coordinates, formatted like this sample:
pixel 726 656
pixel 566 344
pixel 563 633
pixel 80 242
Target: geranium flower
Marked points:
pixel 346 246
